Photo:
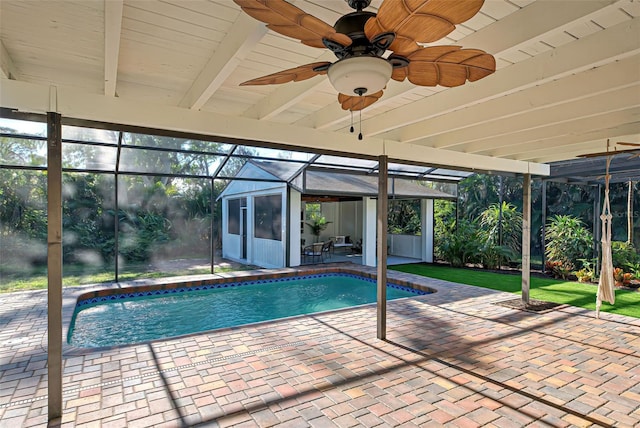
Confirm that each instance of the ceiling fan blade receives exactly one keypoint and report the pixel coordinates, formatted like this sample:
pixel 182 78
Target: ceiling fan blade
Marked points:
pixel 355 102
pixel 421 21
pixel 287 19
pixel 622 143
pixel 446 66
pixel 296 74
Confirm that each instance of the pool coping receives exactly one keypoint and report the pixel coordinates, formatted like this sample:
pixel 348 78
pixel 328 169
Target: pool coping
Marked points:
pixel 71 296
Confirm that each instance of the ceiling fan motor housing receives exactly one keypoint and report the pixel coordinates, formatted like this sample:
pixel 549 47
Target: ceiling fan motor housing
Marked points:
pixel 358 4
pixel 360 75
pixel 361 70
pixel 352 25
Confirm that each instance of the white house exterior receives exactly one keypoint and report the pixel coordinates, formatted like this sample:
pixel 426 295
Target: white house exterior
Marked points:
pixel 263 224
pixel 245 206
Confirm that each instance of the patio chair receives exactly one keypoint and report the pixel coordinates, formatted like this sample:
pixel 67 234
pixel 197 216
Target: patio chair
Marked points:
pixel 357 247
pixel 314 251
pixel 327 249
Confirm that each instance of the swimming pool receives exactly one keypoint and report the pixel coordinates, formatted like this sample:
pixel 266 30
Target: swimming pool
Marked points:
pixel 140 316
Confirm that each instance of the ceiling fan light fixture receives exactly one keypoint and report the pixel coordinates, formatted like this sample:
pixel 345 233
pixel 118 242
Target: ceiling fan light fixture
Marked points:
pixel 360 75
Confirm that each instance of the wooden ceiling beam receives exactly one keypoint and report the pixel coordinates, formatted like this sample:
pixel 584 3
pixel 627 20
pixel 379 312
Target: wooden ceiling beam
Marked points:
pixel 590 148
pixel 606 46
pixel 562 150
pixel 538 138
pixel 288 94
pixel 244 35
pixel 7 67
pixel 112 33
pixel 512 32
pixel 77 104
pixel 523 127
pixel 495 112
pixel 562 143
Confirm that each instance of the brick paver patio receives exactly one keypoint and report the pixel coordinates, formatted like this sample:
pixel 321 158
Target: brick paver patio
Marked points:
pixel 452 358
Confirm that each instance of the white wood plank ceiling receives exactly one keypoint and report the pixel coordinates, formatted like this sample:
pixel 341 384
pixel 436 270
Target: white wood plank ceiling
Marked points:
pixel 567 79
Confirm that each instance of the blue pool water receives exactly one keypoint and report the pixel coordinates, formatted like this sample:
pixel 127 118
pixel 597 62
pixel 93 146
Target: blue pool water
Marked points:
pixel 140 317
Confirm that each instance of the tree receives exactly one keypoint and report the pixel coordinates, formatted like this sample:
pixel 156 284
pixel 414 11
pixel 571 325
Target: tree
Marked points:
pixel 23 152
pixel 23 219
pixel 503 228
pixel 88 218
pixel 475 194
pixel 404 217
pixel 575 199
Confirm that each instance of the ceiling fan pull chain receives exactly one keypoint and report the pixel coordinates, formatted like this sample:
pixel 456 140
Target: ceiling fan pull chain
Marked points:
pixel 351 128
pixel 360 134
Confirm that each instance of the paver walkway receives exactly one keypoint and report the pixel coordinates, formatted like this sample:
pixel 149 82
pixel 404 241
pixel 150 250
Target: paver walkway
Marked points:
pixel 451 358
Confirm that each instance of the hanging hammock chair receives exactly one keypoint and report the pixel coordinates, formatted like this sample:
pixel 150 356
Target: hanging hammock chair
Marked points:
pixel 605 284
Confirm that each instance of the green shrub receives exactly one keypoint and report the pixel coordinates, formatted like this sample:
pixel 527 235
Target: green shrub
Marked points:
pixel 567 240
pixel 492 256
pixel 588 271
pixel 462 245
pixel 559 269
pixel 478 241
pixel 634 269
pixel 142 234
pixel 583 275
pixel 623 254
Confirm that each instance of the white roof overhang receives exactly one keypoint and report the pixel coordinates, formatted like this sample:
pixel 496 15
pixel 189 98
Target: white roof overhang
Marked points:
pixel 568 78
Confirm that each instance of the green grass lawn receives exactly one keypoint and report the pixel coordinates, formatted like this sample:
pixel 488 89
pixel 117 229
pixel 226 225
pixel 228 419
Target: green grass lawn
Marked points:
pixel 74 276
pixel 550 290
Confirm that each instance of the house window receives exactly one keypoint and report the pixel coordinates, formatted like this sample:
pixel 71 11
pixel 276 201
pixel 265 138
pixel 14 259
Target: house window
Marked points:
pixel 268 217
pixel 312 210
pixel 233 221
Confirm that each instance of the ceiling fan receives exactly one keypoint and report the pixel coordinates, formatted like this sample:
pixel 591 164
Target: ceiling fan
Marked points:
pixel 360 40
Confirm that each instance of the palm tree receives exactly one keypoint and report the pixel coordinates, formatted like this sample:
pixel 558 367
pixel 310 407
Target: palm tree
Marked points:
pixel 476 193
pixel 317 224
pixel 503 226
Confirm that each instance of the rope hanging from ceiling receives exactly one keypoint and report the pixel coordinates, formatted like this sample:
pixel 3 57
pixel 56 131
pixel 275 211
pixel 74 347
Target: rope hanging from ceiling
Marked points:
pixel 606 291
